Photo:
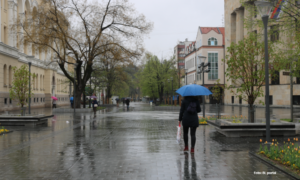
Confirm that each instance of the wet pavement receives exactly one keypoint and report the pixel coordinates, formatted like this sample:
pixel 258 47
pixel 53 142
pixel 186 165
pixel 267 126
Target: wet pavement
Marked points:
pixel 134 144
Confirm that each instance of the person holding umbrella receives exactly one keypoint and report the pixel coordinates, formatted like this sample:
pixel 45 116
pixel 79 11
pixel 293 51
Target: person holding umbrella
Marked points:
pixel 95 106
pixel 54 101
pixel 188 112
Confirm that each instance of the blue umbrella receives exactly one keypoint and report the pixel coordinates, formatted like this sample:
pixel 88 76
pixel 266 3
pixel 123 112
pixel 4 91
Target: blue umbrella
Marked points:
pixel 193 90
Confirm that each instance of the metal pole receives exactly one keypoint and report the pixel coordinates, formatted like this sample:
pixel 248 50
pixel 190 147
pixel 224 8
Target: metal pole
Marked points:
pixel 172 94
pixel 203 97
pixel 291 92
pixel 268 134
pixel 186 78
pixel 90 92
pixel 29 99
pixel 74 87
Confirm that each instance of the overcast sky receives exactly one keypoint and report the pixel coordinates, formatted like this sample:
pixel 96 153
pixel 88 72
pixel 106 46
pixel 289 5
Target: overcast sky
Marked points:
pixel 175 20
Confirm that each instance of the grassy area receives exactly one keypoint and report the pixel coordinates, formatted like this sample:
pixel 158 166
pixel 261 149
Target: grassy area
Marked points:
pixel 288 120
pixel 100 108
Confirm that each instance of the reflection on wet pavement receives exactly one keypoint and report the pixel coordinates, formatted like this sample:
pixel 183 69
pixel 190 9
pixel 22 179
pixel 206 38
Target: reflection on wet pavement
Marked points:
pixel 118 144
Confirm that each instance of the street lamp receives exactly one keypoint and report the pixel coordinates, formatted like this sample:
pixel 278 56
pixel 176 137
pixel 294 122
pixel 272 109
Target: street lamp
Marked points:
pixel 29 99
pixel 75 67
pixel 168 92
pixel 264 9
pixel 202 70
pixel 186 71
pixel 172 92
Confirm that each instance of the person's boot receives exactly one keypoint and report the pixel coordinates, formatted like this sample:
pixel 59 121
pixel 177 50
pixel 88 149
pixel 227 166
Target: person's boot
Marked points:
pixel 186 149
pixel 192 150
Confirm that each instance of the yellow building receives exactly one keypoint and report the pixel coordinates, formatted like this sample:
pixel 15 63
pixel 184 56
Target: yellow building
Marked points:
pixel 235 15
pixel 49 81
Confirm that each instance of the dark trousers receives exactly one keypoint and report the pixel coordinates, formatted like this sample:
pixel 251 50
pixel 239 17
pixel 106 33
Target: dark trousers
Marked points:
pixel 54 106
pixel 186 136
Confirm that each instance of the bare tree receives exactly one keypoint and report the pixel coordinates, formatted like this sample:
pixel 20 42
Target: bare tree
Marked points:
pixel 79 31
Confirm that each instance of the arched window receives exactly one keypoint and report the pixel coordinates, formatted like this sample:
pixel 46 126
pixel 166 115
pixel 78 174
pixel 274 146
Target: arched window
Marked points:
pixel 37 82
pixel 41 82
pixel 5 75
pixel 212 41
pixel 9 76
pixel 33 81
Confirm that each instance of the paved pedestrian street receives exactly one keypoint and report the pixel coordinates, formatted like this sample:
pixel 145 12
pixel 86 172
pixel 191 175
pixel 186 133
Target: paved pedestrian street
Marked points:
pixel 121 144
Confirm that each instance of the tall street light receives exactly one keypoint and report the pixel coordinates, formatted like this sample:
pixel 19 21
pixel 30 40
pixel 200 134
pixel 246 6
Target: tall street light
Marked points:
pixel 202 70
pixel 75 67
pixel 29 99
pixel 186 71
pixel 172 92
pixel 264 9
pixel 168 92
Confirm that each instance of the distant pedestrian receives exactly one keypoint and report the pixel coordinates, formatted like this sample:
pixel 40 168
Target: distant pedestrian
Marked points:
pixel 188 115
pixel 117 101
pixel 72 101
pixel 123 101
pixel 127 103
pixel 95 105
pixel 54 103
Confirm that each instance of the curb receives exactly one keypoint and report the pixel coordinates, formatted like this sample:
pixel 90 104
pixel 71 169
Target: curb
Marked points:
pixel 266 161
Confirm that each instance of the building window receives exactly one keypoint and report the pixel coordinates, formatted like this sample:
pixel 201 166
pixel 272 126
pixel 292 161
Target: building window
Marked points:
pixel 275 78
pixel 212 41
pixel 34 100
pixel 9 101
pixel 274 33
pixel 5 100
pixel 37 99
pixel 271 100
pixel 41 99
pixel 5 75
pixel 232 99
pixel 240 100
pixel 213 60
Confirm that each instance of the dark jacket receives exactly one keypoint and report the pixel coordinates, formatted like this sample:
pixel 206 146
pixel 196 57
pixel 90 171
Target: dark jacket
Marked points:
pixel 188 119
pixel 127 102
pixel 95 102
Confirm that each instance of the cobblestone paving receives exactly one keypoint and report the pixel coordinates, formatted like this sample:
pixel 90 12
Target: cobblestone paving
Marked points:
pixel 118 144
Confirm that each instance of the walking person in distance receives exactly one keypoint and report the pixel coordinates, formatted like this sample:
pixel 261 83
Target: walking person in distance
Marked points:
pixel 188 116
pixel 95 106
pixel 127 103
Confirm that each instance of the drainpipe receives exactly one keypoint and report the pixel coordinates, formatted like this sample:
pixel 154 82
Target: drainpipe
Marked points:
pixel 224 73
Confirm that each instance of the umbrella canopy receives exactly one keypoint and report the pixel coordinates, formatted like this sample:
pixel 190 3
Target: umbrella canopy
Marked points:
pixel 53 97
pixel 92 97
pixel 193 90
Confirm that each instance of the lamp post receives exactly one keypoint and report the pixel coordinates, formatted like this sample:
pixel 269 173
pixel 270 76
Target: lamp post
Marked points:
pixel 264 8
pixel 90 92
pixel 202 70
pixel 29 99
pixel 186 71
pixel 172 103
pixel 168 92
pixel 75 67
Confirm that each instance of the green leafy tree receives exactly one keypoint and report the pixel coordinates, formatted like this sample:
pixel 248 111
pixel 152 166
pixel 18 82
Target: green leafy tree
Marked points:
pixel 20 85
pixel 217 91
pixel 153 76
pixel 246 69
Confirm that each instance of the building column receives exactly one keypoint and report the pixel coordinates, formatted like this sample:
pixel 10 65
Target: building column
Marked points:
pixel 21 41
pixel 11 5
pixel 239 24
